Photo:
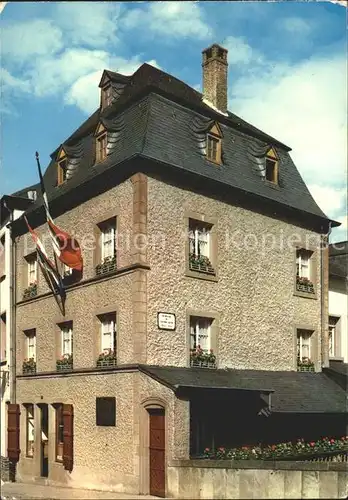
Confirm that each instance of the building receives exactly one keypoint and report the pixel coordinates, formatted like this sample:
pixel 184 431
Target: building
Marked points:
pixel 203 299
pixel 11 207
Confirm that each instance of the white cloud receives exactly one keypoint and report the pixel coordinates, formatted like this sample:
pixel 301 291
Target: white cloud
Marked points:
pixel 296 26
pixel 24 42
pixel 52 75
pixel 84 92
pixel 331 200
pixel 11 87
pixel 304 106
pixel 239 51
pixel 170 19
pixel 89 23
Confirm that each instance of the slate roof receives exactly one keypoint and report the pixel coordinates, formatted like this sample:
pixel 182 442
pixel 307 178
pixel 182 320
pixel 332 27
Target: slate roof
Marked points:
pixel 164 120
pixel 338 259
pixel 294 392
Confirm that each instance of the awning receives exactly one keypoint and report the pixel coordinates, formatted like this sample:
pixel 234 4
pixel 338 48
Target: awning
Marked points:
pixel 291 391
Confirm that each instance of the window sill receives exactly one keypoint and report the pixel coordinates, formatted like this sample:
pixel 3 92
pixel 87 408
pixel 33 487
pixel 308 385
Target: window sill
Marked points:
pixel 201 275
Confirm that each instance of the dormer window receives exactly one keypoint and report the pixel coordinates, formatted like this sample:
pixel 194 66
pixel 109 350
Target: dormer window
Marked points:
pixel 214 140
pixel 62 167
pixel 106 96
pixel 271 167
pixel 101 143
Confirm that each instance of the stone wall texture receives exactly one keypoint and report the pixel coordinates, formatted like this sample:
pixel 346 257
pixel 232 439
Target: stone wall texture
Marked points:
pixel 254 295
pixel 258 480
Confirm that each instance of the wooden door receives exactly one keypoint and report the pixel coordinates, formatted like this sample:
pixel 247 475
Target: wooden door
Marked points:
pixel 13 424
pixel 157 452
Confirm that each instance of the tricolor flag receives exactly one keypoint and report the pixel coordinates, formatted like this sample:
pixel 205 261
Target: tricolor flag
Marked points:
pixel 66 247
pixel 48 268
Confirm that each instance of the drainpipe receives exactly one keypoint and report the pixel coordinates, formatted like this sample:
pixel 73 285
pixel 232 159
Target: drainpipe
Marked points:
pixel 324 298
pixel 12 370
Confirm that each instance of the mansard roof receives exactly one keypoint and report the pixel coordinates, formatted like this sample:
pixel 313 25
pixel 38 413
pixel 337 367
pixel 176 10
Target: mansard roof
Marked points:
pixel 156 120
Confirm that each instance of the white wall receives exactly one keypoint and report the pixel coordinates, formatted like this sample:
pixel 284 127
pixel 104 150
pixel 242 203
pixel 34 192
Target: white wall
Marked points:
pixel 5 389
pixel 338 306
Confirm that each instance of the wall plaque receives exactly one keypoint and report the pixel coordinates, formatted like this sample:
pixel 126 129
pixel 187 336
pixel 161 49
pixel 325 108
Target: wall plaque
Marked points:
pixel 166 321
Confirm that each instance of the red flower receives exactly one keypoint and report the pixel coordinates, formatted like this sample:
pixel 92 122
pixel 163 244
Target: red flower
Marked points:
pixel 332 440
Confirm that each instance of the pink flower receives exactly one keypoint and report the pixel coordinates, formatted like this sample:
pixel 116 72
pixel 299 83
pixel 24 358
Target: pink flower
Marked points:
pixel 332 440
pixel 207 449
pixel 312 443
pixel 273 446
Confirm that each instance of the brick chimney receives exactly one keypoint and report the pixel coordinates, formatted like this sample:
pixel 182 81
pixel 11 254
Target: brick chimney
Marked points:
pixel 215 66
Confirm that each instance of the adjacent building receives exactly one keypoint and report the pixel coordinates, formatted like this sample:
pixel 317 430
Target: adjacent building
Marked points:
pixel 11 207
pixel 200 317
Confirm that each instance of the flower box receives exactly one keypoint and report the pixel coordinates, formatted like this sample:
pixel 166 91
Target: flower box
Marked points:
pixel 333 449
pixel 67 367
pixel 305 368
pixel 29 366
pixel 107 359
pixel 202 359
pixel 200 264
pixel 305 365
pixel 65 363
pixel 304 285
pixel 30 292
pixel 202 364
pixel 107 266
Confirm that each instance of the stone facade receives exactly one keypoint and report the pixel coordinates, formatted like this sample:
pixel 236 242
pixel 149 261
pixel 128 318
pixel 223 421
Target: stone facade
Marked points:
pixel 252 300
pixel 253 295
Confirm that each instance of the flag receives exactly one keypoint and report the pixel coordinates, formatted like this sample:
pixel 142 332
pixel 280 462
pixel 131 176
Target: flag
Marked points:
pixel 66 247
pixel 49 269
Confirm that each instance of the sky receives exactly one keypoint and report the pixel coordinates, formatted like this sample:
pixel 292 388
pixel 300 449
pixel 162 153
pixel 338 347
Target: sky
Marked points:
pixel 287 75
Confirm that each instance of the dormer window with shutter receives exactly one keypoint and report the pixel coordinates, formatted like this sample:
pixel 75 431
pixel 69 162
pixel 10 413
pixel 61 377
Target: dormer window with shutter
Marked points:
pixel 62 167
pixel 214 142
pixel 271 167
pixel 100 143
pixel 106 95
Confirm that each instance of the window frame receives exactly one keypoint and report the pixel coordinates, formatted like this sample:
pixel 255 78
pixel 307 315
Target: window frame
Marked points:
pixel 66 328
pixel 300 337
pixel 214 136
pixel 106 95
pixel 29 408
pixel 111 318
pixel 101 152
pixel 272 157
pixel 62 170
pixel 312 271
pixel 59 425
pixel 31 259
pixel 335 322
pixel 210 223
pixel 104 228
pixel 30 334
pixel 195 325
pixel 214 319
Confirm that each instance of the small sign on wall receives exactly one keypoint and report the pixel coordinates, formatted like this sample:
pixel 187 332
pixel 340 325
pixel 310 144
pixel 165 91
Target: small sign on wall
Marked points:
pixel 166 321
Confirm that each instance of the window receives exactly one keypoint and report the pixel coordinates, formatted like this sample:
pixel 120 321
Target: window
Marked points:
pixel 303 263
pixel 303 344
pixel 101 143
pixel 67 340
pixel 271 167
pixel 201 352
pixel 62 171
pixel 32 269
pixel 59 433
pixel 106 96
pixel 31 343
pixel 200 251
pixel 108 241
pixel 271 170
pixel 214 139
pixel 32 195
pixel 106 412
pixel 305 352
pixel 30 434
pixel 108 332
pixel 333 336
